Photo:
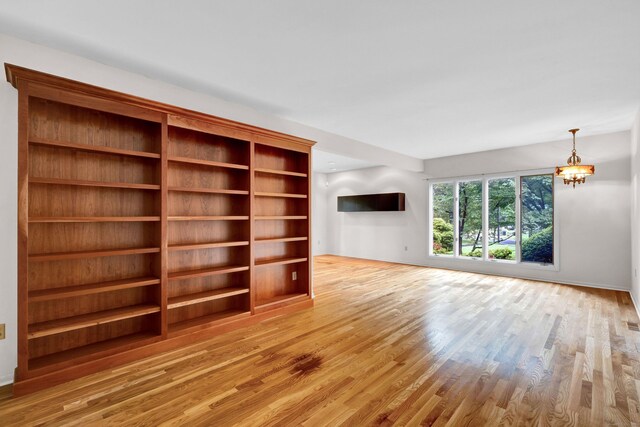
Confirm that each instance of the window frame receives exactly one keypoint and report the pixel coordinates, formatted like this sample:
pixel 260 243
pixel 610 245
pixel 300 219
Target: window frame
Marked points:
pixel 485 178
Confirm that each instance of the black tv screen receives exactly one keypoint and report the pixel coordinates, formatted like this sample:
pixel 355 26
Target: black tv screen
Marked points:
pixel 371 202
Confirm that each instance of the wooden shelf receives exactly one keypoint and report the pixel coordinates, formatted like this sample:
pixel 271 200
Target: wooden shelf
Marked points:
pixel 91 254
pixel 282 240
pixel 290 195
pixel 200 297
pixel 93 288
pixel 179 275
pixel 209 190
pixel 101 348
pixel 279 261
pixel 205 321
pixel 206 163
pixel 280 299
pixel 57 219
pixel 268 217
pixel 281 172
pixel 208 218
pixel 92 148
pixel 59 326
pixel 194 246
pixel 83 183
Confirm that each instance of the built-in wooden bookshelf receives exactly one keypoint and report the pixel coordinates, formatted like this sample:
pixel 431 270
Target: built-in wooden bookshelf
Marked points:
pixel 143 227
pixel 92 269
pixel 208 179
pixel 282 206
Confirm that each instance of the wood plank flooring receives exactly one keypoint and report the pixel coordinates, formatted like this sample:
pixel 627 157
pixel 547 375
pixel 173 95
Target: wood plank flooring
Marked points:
pixel 385 344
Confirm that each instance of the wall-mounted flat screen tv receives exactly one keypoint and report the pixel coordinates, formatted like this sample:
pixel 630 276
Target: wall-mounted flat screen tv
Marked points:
pixel 371 202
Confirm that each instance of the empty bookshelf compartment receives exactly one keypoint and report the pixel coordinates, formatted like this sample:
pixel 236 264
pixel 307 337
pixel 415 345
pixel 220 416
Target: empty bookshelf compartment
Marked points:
pixel 277 159
pixel 189 317
pixel 279 229
pixel 277 252
pixel 53 165
pixel 79 312
pixel 206 261
pixel 277 283
pixel 58 237
pixel 203 204
pixel 186 291
pixel 56 122
pixel 275 206
pixel 61 201
pixel 187 144
pixel 280 185
pixel 199 178
pixel 79 345
pixel 182 233
pixel 75 272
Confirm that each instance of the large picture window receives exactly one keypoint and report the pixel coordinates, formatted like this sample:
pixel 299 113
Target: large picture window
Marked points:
pixel 536 220
pixel 470 219
pixel 501 219
pixel 442 224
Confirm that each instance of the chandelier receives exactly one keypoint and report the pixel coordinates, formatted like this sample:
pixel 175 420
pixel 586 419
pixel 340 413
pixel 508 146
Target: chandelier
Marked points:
pixel 574 172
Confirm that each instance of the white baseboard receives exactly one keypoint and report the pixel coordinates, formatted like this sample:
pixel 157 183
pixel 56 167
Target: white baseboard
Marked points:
pixel 635 304
pixel 537 279
pixel 582 284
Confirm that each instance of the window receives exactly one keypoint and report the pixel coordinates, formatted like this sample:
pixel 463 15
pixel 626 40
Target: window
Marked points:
pixel 502 219
pixel 442 240
pixel 506 219
pixel 470 219
pixel 536 220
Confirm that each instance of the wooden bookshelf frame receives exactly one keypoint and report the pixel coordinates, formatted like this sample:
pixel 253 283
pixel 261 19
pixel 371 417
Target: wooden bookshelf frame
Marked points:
pixel 194 225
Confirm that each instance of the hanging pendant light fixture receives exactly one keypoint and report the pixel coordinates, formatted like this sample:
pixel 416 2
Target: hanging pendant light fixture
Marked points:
pixel 574 172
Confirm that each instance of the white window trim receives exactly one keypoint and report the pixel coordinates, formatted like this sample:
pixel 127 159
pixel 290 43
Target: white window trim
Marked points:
pixel 485 178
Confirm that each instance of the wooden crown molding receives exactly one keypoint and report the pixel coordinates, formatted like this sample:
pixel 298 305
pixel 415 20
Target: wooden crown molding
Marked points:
pixel 14 73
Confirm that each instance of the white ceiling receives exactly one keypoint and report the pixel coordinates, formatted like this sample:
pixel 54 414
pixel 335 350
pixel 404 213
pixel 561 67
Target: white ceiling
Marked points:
pixel 423 78
pixel 326 162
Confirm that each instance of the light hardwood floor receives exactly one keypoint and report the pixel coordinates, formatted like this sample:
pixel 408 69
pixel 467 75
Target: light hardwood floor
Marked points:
pixel 385 344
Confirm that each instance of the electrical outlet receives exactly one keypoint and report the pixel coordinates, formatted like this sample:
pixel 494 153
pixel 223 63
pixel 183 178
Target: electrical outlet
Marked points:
pixel 2 336
pixel 294 275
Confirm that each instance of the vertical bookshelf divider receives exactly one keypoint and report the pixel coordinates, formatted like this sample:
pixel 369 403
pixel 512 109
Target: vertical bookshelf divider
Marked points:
pixel 23 229
pixel 252 228
pixel 309 241
pixel 164 249
pixel 176 226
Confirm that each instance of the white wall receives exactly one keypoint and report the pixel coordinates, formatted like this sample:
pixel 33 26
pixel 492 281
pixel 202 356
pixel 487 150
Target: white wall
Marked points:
pixel 635 210
pixel 594 219
pixel 8 228
pixel 22 53
pixel 378 235
pixel 319 214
